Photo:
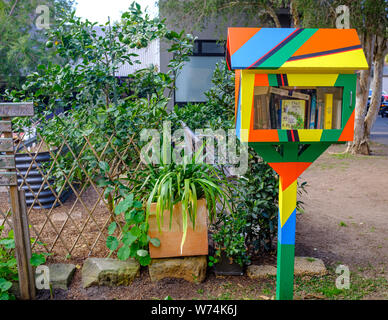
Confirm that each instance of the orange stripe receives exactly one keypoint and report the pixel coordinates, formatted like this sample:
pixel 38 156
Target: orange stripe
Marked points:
pixel 239 36
pixel 328 39
pixel 348 131
pixel 289 171
pixel 261 80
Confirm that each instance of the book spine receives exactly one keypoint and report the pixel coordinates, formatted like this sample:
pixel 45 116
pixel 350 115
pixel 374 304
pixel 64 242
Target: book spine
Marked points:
pixel 313 111
pixel 328 110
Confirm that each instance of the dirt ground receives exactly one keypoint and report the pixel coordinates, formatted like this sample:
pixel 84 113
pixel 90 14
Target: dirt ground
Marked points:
pixel 346 209
pixel 345 221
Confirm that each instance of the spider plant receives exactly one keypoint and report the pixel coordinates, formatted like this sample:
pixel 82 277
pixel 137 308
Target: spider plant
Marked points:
pixel 171 183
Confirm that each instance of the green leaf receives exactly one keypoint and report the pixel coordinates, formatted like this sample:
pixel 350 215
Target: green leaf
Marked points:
pixel 142 253
pixel 129 238
pixel 124 204
pixel 5 285
pixel 37 259
pixel 112 228
pixel 136 231
pixel 4 296
pixel 145 261
pixel 112 243
pixel 123 253
pixel 104 166
pixel 155 242
pixel 8 243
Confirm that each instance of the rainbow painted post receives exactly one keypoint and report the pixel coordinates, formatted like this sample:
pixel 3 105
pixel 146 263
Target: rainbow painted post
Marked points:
pixel 292 58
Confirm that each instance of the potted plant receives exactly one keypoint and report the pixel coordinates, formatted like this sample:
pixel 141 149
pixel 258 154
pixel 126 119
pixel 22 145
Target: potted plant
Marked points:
pixel 187 194
pixel 230 253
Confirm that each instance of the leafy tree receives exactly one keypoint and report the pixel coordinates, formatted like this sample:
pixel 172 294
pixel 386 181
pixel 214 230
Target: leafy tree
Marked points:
pixel 369 18
pixel 22 44
pixel 199 12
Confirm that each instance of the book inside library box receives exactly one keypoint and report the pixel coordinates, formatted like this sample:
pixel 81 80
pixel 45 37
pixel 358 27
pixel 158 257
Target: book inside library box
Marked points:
pixel 292 108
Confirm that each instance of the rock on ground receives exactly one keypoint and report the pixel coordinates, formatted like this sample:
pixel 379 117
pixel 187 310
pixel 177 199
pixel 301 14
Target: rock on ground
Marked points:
pixel 61 275
pixel 302 266
pixel 192 269
pixel 109 272
pixel 305 266
pixel 261 271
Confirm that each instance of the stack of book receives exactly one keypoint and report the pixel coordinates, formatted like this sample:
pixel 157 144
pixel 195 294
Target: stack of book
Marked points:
pixel 289 109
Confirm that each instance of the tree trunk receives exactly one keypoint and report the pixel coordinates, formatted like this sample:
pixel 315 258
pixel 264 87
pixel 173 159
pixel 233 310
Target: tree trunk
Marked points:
pixel 273 15
pixel 294 14
pixel 377 83
pixel 359 145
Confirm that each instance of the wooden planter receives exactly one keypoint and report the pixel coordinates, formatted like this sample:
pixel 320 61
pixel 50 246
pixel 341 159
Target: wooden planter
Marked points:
pixel 196 243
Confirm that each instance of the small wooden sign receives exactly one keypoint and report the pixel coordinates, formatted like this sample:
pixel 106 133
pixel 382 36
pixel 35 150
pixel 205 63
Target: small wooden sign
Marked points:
pixel 8 179
pixel 6 145
pixel 5 126
pixel 18 109
pixel 7 162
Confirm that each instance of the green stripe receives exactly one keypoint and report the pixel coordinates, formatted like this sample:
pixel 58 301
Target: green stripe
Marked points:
pixel 282 135
pixel 348 82
pixel 331 135
pixel 266 151
pixel 281 56
pixel 273 82
pixel 313 152
pixel 285 272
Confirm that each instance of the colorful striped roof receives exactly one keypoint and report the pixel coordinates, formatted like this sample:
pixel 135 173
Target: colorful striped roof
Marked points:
pixel 295 49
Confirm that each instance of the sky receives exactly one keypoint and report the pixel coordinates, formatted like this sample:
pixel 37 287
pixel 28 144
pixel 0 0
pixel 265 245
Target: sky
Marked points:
pixel 99 10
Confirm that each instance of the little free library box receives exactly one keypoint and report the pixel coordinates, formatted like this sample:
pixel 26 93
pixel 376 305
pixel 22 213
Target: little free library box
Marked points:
pixel 295 96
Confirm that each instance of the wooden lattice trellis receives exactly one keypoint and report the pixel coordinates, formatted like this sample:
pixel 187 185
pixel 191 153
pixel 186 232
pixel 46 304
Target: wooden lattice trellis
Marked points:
pixel 76 227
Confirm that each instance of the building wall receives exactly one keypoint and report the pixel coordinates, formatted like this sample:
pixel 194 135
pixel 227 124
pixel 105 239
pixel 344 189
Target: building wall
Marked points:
pixel 210 32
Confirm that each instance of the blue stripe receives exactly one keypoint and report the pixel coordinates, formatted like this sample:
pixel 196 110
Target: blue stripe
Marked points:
pixel 286 235
pixel 259 45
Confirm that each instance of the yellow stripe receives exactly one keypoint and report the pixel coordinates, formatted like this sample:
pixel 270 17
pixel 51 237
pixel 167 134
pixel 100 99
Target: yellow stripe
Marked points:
pixel 247 87
pixel 312 79
pixel 349 60
pixel 310 134
pixel 287 201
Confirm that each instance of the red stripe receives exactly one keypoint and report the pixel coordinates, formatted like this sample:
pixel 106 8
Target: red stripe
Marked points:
pixel 292 134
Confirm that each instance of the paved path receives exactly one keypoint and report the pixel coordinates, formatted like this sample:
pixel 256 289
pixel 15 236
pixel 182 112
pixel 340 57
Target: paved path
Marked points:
pixel 380 131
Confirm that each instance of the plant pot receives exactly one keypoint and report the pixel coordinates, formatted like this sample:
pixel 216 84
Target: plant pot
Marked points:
pixel 225 268
pixel 196 243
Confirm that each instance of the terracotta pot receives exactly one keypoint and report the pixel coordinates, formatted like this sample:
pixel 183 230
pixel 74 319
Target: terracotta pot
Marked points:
pixel 196 243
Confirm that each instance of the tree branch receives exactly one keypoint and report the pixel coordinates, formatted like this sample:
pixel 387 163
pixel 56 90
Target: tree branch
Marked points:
pixel 13 8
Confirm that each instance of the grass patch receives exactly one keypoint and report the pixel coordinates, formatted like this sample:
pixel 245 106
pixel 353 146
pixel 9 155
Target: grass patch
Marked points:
pixel 325 287
pixel 342 224
pixel 342 156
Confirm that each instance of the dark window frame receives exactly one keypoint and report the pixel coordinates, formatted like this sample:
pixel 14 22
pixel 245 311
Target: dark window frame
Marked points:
pixel 199 53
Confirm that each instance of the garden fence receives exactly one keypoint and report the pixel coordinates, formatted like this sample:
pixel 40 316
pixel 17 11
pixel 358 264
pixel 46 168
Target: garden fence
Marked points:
pixel 67 210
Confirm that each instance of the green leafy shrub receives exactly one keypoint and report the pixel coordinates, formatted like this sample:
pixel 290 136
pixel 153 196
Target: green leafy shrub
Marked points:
pixel 134 238
pixel 229 236
pixel 8 264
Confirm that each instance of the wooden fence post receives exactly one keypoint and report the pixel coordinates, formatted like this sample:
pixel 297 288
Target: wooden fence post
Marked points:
pixel 17 198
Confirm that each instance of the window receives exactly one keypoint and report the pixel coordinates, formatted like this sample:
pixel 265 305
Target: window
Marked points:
pixel 194 79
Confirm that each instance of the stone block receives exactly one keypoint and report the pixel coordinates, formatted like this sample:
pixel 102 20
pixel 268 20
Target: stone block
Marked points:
pixel 109 272
pixel 191 269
